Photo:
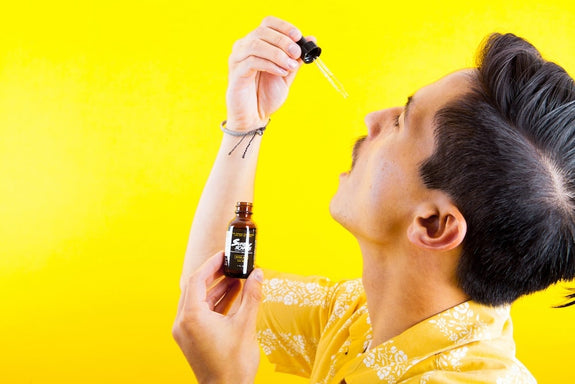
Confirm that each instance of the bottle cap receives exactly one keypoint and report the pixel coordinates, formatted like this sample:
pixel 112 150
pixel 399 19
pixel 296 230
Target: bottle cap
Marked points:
pixel 309 50
pixel 243 206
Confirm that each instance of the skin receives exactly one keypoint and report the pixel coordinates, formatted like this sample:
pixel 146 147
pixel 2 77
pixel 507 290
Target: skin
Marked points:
pixel 219 341
pixel 261 70
pixel 410 237
pixel 405 231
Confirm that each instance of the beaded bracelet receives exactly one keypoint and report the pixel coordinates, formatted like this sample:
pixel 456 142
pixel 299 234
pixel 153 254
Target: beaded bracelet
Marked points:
pixel 243 134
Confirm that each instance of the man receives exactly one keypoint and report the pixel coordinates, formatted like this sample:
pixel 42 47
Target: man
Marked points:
pixel 461 201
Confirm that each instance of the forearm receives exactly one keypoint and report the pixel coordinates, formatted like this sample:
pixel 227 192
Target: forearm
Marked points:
pixel 262 67
pixel 231 180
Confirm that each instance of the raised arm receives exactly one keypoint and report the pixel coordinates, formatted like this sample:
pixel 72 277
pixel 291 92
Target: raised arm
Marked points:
pixel 262 66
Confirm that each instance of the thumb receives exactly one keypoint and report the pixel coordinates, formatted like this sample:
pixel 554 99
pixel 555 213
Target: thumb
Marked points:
pixel 251 296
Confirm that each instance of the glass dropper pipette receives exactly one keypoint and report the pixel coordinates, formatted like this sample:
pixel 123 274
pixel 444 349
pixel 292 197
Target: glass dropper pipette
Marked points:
pixel 309 53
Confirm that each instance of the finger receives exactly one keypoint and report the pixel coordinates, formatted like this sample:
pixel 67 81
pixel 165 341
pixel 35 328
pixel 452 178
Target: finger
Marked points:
pixel 198 283
pixel 290 77
pixel 229 299
pixel 282 26
pixel 211 269
pixel 278 40
pixel 262 49
pixel 184 304
pixel 251 298
pixel 253 64
pixel 217 292
pixel 311 38
pixel 281 46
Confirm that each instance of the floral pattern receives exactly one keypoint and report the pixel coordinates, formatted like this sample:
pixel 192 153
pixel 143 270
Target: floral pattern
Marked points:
pixel 301 294
pixel 336 348
pixel 334 360
pixel 294 345
pixel 345 299
pixel 451 360
pixel 389 362
pixel 461 324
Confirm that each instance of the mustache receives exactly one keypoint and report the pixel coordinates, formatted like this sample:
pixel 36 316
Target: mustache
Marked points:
pixel 356 148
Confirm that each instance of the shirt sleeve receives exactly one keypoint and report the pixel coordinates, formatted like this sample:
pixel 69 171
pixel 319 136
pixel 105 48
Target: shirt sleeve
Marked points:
pixel 291 319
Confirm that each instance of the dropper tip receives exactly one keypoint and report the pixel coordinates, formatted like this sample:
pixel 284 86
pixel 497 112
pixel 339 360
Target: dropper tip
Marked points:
pixel 331 78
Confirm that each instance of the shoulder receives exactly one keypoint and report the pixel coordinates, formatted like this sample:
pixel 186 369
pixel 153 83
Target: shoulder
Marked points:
pixel 296 290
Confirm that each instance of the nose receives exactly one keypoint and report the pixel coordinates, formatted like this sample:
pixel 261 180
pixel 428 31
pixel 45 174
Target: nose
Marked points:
pixel 380 120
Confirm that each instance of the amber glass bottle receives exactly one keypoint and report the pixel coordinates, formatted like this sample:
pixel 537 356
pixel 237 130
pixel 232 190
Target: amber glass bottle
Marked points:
pixel 240 243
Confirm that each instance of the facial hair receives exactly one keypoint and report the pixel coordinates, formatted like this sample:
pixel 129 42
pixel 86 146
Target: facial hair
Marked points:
pixel 355 152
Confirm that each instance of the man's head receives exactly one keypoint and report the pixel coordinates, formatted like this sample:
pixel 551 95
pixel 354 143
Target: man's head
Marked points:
pixel 505 154
pixel 383 194
pixel 481 162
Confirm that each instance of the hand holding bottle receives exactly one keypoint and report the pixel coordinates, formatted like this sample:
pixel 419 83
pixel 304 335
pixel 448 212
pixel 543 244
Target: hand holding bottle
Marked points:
pixel 220 346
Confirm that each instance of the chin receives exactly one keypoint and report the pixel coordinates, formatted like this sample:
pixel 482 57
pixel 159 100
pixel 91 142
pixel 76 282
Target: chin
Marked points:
pixel 337 210
pixel 334 208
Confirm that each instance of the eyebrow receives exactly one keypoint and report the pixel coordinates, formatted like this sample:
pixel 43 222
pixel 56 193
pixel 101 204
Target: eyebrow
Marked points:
pixel 408 104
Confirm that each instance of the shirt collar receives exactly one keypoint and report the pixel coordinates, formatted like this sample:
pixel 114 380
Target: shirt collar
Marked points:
pixel 459 325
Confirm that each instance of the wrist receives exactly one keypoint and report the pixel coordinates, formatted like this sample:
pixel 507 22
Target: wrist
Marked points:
pixel 242 126
pixel 243 129
pixel 241 135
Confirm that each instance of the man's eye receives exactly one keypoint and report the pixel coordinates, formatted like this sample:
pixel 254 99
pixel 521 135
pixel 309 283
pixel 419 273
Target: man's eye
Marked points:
pixel 396 121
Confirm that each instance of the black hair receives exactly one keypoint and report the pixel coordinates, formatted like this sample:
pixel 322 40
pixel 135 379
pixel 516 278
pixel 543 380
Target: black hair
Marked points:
pixel 505 154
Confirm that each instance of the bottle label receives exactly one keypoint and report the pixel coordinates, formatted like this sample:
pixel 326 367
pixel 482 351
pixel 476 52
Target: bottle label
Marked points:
pixel 239 251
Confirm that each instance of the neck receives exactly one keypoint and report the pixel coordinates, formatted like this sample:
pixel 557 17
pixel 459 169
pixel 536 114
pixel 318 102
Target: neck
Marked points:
pixel 405 286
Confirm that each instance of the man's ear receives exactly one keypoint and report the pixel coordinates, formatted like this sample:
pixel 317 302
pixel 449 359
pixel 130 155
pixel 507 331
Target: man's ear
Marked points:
pixel 437 226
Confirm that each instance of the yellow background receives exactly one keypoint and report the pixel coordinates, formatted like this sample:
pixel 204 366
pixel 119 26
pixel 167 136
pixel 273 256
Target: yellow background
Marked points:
pixel 109 115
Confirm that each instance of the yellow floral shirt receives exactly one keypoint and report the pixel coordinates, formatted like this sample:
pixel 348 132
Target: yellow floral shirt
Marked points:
pixel 314 328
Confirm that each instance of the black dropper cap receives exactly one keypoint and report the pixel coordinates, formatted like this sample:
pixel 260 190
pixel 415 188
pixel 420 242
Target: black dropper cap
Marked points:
pixel 309 51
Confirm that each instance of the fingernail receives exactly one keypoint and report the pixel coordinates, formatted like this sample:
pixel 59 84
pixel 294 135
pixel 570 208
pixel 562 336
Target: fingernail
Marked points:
pixel 294 50
pixel 292 64
pixel 295 34
pixel 258 275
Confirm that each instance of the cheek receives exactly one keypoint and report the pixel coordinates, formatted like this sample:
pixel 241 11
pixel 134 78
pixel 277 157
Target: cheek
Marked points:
pixel 390 190
pixel 383 185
